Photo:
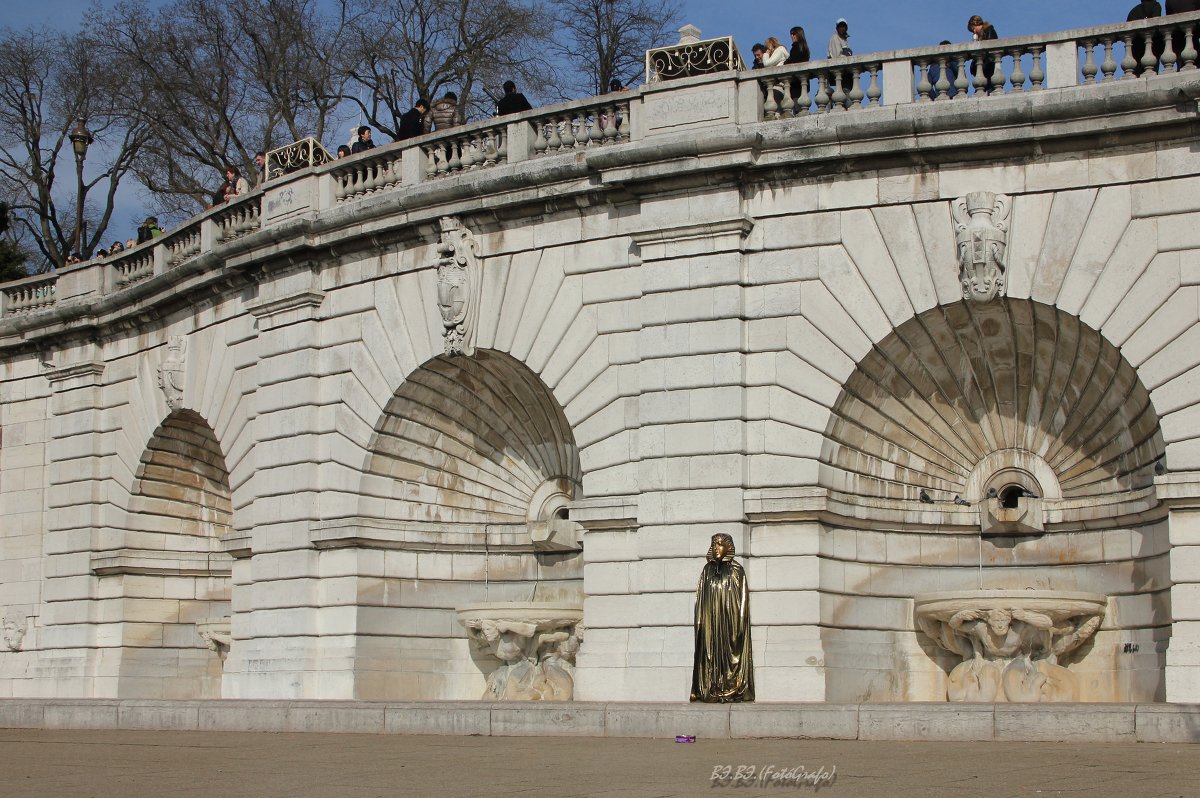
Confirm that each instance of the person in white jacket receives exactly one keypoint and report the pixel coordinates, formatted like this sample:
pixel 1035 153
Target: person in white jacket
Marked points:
pixel 776 53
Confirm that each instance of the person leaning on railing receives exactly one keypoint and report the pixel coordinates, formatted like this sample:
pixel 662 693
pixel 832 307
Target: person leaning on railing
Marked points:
pixel 982 31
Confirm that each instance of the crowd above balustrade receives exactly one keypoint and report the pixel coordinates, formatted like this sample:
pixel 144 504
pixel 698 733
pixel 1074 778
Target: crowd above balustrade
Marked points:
pixel 445 113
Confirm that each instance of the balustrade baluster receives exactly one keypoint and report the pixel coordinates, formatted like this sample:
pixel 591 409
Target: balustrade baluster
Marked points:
pixel 553 142
pixel 874 92
pixel 567 136
pixel 1129 64
pixel 1017 78
pixel 961 83
pixel 941 89
pixel 1089 65
pixel 822 92
pixel 1037 75
pixel 804 103
pixel 839 95
pixel 540 139
pixel 584 138
pixel 1170 58
pixel 502 145
pixel 856 95
pixel 1108 68
pixel 455 162
pixel 998 78
pixel 770 107
pixel 924 87
pixel 469 156
pixel 610 125
pixel 1149 62
pixel 787 108
pixel 1188 54
pixel 981 81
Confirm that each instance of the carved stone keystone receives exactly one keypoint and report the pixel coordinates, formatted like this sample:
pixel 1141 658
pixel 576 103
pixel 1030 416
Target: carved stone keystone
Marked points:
pixel 981 233
pixel 171 372
pixel 459 286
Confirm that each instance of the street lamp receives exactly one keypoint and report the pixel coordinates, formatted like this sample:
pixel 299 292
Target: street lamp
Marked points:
pixel 80 137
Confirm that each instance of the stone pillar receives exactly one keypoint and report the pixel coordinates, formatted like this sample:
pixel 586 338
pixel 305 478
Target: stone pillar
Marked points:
pixel 277 648
pixel 78 658
pixel 1182 492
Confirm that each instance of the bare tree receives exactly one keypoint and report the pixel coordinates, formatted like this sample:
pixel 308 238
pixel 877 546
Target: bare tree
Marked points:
pixel 49 81
pixel 228 78
pixel 423 48
pixel 605 39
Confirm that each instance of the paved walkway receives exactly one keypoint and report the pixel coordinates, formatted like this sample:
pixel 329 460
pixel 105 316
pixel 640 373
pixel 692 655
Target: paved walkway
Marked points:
pixel 206 764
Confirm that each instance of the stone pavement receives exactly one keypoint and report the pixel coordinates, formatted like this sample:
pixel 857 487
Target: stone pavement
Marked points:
pixel 118 764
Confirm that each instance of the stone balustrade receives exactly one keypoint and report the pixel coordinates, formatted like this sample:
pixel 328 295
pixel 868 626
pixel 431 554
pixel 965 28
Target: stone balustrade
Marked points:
pixel 303 178
pixel 1004 66
pixel 28 295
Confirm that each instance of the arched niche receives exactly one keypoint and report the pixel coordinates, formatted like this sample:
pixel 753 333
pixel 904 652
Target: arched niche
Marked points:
pixel 968 397
pixel 182 486
pixel 470 441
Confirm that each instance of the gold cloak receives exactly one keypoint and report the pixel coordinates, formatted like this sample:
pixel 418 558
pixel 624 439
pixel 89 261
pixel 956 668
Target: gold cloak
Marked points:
pixel 722 670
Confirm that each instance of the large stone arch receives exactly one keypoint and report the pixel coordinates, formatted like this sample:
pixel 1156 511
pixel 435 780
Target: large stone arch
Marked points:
pixel 172 578
pixel 470 441
pixel 964 389
pixel 960 399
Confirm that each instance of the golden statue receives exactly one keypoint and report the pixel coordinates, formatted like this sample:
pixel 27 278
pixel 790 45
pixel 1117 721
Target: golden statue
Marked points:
pixel 722 670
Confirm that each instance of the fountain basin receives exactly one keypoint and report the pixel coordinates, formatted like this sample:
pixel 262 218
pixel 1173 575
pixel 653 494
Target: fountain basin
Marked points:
pixel 1011 641
pixel 535 643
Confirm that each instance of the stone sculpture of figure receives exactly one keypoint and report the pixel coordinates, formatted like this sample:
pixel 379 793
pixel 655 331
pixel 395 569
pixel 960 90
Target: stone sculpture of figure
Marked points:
pixel 722 670
pixel 171 372
pixel 458 285
pixel 558 664
pixel 13 632
pixel 981 234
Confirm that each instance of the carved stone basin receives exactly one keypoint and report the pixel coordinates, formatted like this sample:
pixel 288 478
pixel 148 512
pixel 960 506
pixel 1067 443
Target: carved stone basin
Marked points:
pixel 535 642
pixel 1011 641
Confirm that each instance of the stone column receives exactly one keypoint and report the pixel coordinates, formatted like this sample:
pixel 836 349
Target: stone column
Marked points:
pixel 1182 492
pixel 277 650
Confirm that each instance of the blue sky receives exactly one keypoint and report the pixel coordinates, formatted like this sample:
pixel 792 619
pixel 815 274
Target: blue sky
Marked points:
pixel 875 25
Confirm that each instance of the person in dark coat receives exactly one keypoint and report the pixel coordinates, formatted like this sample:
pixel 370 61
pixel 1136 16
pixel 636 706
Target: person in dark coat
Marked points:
pixel 799 53
pixel 1177 38
pixel 759 50
pixel 1147 9
pixel 364 142
pixel 513 101
pixel 412 122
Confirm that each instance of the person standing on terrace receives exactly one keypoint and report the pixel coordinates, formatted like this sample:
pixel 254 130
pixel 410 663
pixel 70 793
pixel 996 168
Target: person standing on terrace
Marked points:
pixel 1147 9
pixel 982 31
pixel 776 53
pixel 760 52
pixel 839 42
pixel 364 142
pixel 412 121
pixel 800 53
pixel 444 114
pixel 513 101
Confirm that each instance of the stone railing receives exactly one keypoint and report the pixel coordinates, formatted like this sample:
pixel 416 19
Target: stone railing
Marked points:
pixel 29 294
pixel 237 219
pixel 992 68
pixel 377 169
pixel 473 148
pixel 132 267
pixel 1092 57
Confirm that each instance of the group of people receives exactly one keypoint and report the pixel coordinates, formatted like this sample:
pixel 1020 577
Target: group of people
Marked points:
pixel 147 230
pixel 772 53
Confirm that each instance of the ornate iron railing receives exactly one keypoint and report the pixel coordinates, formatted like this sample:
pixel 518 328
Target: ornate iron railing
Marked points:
pixel 296 156
pixel 686 60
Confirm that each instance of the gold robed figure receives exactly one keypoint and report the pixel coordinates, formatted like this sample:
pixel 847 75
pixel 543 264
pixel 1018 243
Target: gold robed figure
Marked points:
pixel 722 670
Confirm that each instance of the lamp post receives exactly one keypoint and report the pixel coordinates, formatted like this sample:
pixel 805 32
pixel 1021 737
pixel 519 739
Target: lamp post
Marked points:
pixel 80 137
